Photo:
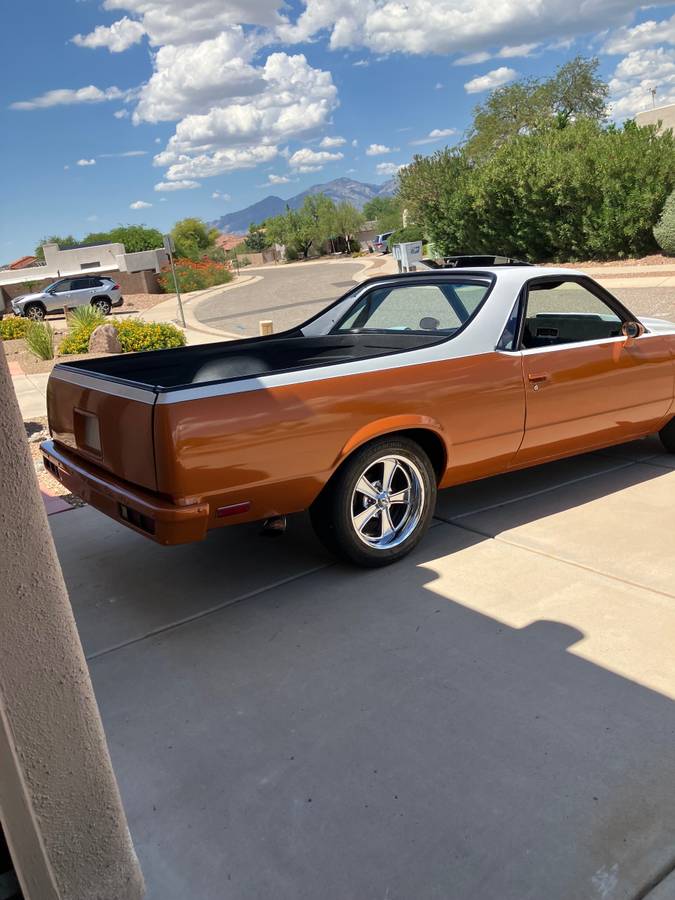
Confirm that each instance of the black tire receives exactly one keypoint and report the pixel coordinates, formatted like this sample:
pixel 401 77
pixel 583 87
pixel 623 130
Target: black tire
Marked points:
pixel 667 435
pixel 102 304
pixel 35 311
pixel 342 507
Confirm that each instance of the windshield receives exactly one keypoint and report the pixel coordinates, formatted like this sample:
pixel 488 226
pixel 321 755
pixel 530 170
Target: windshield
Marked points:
pixel 442 307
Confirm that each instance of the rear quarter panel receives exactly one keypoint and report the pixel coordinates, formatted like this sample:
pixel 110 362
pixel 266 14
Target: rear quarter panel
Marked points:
pixel 277 447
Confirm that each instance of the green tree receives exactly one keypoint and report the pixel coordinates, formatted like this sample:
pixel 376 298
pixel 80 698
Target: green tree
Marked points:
pixel 574 92
pixel 257 239
pixel 134 237
pixel 664 230
pixel 385 211
pixel 63 242
pixel 193 238
pixel 348 220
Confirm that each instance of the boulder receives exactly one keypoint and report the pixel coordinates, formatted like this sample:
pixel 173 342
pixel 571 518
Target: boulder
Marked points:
pixel 104 339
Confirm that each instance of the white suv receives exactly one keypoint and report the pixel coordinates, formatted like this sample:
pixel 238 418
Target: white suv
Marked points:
pixel 79 290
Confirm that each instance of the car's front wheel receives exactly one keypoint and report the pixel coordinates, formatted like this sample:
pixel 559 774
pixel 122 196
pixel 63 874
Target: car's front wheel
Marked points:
pixel 102 304
pixel 35 311
pixel 379 504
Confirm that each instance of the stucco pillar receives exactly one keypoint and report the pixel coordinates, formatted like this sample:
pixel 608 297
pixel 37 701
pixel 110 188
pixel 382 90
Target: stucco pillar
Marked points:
pixel 59 803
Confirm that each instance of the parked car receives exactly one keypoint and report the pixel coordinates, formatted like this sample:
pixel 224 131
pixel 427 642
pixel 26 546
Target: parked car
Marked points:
pixel 381 242
pixel 80 290
pixel 406 384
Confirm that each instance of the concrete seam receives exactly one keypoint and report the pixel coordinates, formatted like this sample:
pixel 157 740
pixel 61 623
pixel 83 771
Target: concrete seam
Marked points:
pixel 560 559
pixel 652 884
pixel 206 612
pixel 546 490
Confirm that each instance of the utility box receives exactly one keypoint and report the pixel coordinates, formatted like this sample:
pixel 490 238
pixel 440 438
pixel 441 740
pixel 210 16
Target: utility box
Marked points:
pixel 407 255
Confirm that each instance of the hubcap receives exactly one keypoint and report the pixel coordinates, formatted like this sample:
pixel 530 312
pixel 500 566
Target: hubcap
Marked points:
pixel 387 502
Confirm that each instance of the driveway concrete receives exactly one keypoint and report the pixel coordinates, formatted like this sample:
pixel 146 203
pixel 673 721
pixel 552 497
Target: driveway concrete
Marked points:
pixel 491 718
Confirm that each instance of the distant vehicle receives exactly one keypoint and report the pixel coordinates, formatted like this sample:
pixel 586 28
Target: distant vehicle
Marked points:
pixel 99 291
pixel 381 242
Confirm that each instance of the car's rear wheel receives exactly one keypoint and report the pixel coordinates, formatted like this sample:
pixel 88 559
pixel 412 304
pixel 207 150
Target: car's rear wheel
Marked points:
pixel 35 311
pixel 102 304
pixel 667 435
pixel 379 504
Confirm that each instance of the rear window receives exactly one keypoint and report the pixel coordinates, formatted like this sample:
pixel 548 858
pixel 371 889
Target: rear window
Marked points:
pixel 423 308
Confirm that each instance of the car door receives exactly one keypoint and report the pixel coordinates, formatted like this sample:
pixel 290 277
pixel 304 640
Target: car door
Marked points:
pixel 478 399
pixel 587 384
pixel 59 296
pixel 81 291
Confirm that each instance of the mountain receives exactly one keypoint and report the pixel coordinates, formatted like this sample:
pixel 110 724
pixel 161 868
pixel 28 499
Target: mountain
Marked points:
pixel 355 192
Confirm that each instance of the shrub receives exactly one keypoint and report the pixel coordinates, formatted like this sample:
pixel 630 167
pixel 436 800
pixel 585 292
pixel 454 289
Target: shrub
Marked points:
pixel 664 230
pixel 408 233
pixel 85 316
pixel 195 276
pixel 136 335
pixel 13 328
pixel 40 340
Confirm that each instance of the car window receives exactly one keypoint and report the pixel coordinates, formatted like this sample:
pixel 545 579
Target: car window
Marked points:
pixel 61 286
pixel 418 307
pixel 566 312
pixel 81 283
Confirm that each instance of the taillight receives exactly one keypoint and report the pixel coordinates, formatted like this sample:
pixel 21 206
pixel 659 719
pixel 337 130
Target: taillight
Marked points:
pixel 115 287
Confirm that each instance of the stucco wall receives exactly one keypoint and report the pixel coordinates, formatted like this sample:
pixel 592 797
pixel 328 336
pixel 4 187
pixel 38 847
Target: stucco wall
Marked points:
pixel 59 803
pixel 660 114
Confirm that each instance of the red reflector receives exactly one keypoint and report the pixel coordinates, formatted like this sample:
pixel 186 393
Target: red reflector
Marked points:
pixel 115 287
pixel 234 510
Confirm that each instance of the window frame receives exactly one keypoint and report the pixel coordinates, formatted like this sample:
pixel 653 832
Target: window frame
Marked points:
pixel 615 305
pixel 478 279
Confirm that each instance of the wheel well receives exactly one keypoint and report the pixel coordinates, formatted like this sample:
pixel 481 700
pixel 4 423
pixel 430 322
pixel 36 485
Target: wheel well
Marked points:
pixel 432 444
pixel 100 297
pixel 35 303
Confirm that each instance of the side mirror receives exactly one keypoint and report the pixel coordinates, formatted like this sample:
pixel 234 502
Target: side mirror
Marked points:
pixel 632 329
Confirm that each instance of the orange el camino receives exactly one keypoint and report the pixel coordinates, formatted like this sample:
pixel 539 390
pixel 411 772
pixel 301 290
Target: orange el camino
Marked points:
pixel 406 384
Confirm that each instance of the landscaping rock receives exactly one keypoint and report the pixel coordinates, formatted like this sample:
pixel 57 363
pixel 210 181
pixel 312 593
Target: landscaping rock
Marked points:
pixel 104 339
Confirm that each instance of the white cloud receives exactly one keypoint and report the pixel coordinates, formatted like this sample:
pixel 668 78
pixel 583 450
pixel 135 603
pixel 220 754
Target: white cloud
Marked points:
pixel 92 218
pixel 361 62
pixel 121 114
pixel 158 140
pixel 278 179
pixel 193 79
pixel 329 142
pixel 518 50
pixel 379 150
pixel 635 76
pixel 121 155
pixel 388 168
pixel 139 204
pixel 355 143
pixel 307 160
pixel 472 59
pixel 646 34
pixel 177 185
pixel 65 168
pixel 68 97
pixel 169 22
pixel 438 86
pixel 219 195
pixel 436 134
pixel 116 37
pixel 218 162
pixel 86 162
pixel 491 80
pixel 450 26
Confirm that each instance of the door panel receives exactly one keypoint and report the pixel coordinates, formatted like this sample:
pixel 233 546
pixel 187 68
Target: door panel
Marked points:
pixel 585 395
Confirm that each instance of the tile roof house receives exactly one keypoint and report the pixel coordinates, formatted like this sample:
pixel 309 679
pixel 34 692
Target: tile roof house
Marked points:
pixel 24 262
pixel 230 241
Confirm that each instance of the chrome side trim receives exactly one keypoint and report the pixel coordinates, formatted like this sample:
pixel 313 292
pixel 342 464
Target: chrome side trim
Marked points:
pixel 115 388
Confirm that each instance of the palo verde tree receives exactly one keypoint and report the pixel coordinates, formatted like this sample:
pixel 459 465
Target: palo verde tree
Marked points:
pixel 193 238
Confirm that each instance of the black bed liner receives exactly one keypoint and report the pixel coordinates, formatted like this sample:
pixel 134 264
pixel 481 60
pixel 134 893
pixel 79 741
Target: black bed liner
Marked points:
pixel 186 366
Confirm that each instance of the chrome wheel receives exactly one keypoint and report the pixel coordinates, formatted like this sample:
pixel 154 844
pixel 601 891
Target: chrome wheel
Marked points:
pixel 387 502
pixel 35 312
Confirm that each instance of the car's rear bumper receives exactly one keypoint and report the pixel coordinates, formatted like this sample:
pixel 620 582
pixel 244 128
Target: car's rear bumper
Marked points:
pixel 118 302
pixel 144 512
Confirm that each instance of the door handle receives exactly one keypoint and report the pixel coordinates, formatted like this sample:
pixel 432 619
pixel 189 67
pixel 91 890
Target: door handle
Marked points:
pixel 536 379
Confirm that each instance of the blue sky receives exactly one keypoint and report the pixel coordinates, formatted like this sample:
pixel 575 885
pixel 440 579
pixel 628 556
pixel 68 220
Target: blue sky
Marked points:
pixel 146 111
